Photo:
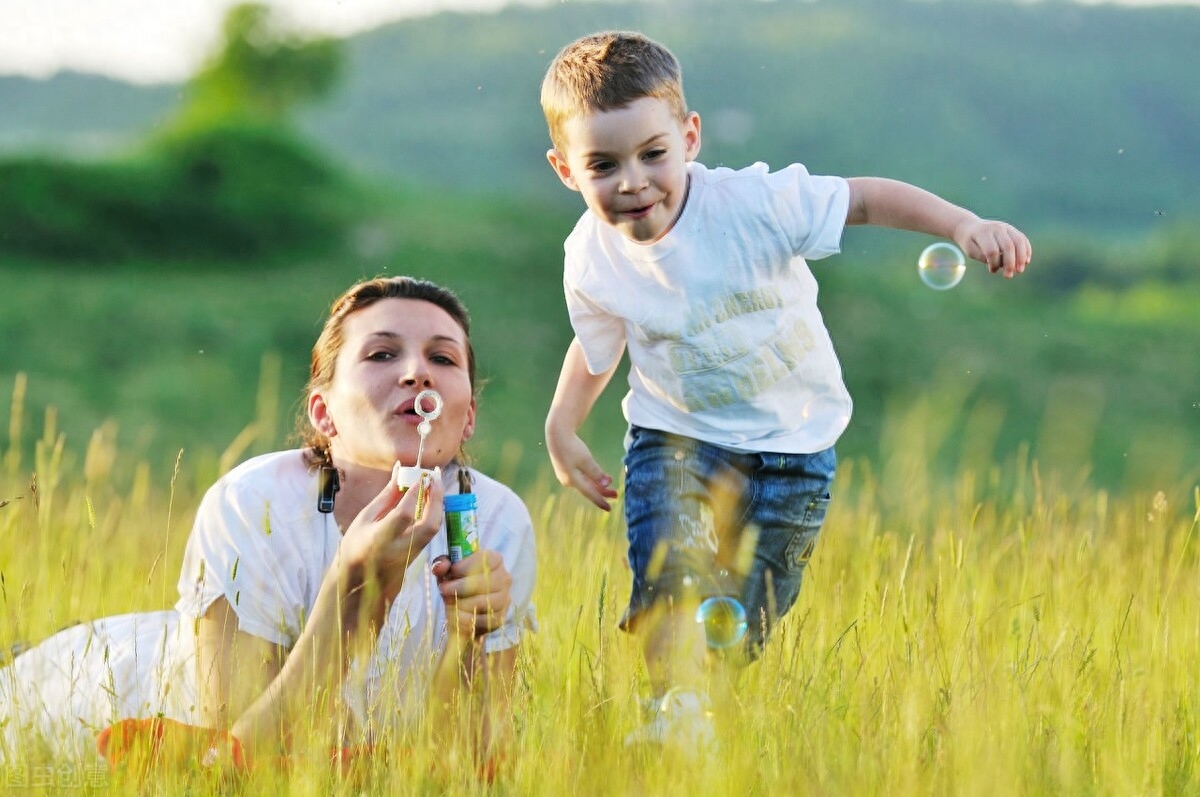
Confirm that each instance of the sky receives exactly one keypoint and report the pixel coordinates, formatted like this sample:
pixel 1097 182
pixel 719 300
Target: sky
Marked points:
pixel 149 41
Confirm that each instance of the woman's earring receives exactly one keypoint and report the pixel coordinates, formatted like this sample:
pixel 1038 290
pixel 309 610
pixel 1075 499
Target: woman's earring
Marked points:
pixel 328 484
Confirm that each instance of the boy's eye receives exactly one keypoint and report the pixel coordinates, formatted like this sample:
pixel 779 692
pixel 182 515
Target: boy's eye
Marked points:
pixel 600 167
pixel 656 153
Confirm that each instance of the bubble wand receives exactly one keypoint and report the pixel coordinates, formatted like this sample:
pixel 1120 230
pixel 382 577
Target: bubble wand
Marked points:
pixel 462 528
pixel 406 477
pixel 427 416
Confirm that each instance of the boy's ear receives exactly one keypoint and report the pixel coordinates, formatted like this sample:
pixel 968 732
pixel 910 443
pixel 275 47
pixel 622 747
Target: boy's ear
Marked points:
pixel 558 162
pixel 691 136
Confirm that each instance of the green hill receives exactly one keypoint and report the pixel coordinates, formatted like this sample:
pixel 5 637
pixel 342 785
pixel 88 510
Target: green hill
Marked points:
pixel 1079 123
pixel 1051 113
pixel 86 114
pixel 227 193
pixel 1095 380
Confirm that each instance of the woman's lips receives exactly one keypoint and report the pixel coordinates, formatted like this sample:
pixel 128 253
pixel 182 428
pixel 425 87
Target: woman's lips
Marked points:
pixel 407 410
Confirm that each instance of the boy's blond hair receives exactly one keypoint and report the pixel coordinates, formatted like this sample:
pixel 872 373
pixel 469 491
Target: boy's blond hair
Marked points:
pixel 608 70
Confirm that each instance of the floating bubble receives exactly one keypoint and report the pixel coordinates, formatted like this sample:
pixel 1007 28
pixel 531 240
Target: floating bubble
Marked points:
pixel 941 266
pixel 724 621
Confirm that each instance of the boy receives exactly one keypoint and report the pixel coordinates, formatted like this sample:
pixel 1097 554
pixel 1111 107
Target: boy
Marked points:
pixel 736 396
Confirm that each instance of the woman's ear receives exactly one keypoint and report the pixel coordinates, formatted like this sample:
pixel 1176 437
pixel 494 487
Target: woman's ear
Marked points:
pixel 469 428
pixel 318 415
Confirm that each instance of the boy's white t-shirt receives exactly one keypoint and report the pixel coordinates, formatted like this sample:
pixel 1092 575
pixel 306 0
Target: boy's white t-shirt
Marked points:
pixel 720 317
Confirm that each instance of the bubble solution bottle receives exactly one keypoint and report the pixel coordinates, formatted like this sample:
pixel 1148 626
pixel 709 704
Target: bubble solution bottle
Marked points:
pixel 462 526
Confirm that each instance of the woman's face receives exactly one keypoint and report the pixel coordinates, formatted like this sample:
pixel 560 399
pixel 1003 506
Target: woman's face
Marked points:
pixel 392 350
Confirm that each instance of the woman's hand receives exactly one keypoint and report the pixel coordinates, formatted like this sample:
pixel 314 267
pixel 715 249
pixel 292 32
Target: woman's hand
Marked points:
pixel 391 531
pixel 476 592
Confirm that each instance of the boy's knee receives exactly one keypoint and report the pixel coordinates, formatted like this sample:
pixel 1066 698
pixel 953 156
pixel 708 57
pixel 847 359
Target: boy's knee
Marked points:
pixel 676 581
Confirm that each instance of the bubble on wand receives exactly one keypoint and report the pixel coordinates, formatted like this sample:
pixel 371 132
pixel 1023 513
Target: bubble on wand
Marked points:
pixel 427 416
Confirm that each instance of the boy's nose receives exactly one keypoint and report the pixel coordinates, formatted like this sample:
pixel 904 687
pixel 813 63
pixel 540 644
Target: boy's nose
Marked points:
pixel 632 180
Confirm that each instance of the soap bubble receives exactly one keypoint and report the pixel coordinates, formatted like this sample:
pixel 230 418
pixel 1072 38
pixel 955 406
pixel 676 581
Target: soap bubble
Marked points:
pixel 941 266
pixel 724 621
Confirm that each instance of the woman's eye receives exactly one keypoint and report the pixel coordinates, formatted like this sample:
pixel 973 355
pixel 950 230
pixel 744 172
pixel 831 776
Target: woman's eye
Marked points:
pixel 380 356
pixel 443 359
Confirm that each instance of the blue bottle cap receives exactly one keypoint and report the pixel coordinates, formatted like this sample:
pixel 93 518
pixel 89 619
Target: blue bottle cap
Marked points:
pixel 459 503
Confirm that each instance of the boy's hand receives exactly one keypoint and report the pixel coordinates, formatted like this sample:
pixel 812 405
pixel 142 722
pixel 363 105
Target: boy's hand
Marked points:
pixel 1001 246
pixel 575 467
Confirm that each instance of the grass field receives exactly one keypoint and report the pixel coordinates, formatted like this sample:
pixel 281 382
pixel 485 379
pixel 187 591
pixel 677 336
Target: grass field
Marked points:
pixel 1006 633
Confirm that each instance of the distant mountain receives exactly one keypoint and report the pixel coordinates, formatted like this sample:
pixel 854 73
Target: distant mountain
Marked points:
pixel 1051 114
pixel 81 114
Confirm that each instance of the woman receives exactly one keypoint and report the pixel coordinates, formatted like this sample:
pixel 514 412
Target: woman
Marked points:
pixel 291 608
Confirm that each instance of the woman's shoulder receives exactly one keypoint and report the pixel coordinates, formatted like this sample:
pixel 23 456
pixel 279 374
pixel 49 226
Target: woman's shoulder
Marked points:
pixel 264 509
pixel 272 465
pixel 280 477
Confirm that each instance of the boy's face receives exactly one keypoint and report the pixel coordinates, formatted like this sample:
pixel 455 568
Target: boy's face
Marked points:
pixel 630 164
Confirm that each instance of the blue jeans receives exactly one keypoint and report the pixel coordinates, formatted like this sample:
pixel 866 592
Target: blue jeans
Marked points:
pixel 703 520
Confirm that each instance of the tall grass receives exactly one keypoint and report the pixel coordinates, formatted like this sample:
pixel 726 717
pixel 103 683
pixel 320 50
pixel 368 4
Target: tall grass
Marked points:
pixel 1010 632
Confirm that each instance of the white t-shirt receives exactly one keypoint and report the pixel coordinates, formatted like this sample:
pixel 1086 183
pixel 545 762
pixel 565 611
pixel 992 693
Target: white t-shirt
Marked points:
pixel 720 317
pixel 259 541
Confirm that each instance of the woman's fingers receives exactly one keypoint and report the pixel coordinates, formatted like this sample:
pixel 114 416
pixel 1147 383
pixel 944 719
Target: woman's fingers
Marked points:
pixel 440 567
pixel 393 528
pixel 379 506
pixel 482 572
pixel 419 511
pixel 476 591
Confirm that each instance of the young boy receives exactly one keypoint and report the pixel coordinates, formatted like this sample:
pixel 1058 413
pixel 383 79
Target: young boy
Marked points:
pixel 736 396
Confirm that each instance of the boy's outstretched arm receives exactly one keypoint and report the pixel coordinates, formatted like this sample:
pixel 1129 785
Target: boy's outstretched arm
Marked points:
pixel 891 203
pixel 574 398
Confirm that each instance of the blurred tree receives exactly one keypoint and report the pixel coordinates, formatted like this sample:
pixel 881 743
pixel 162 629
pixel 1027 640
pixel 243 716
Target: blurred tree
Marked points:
pixel 227 180
pixel 260 72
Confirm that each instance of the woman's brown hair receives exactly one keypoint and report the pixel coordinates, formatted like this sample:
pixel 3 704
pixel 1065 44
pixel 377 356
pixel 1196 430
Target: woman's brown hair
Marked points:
pixel 332 338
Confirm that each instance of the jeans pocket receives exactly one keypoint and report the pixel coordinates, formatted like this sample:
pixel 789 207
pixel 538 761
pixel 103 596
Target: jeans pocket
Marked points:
pixel 804 539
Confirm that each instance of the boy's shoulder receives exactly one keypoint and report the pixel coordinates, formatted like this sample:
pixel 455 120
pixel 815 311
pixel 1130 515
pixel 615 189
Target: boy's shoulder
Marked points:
pixel 758 176
pixel 714 175
pixel 719 198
